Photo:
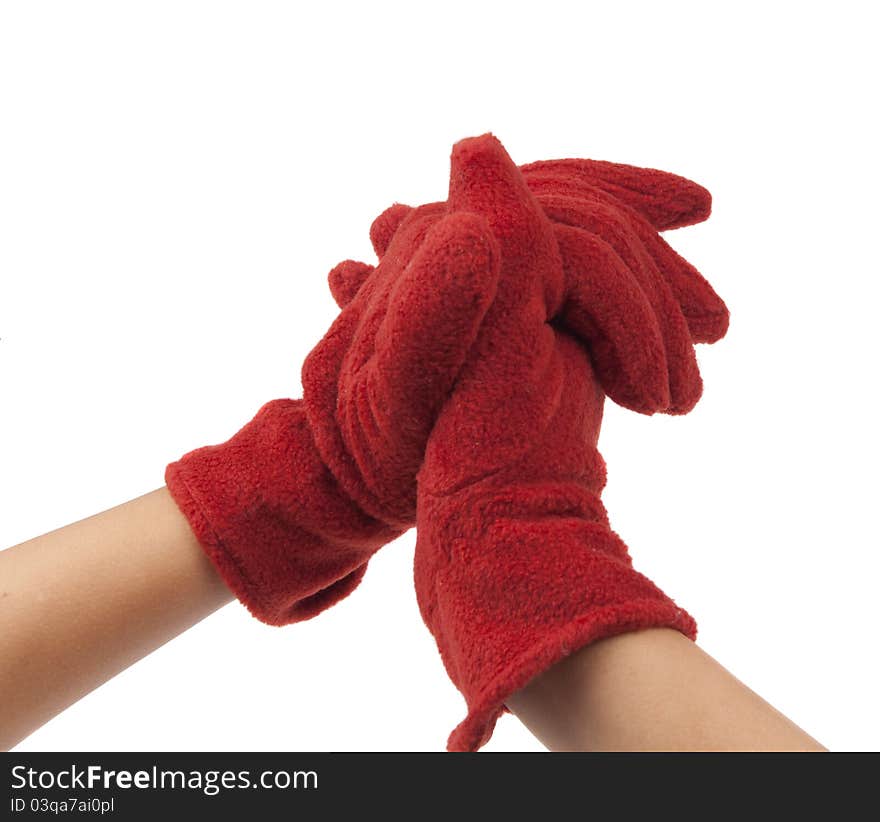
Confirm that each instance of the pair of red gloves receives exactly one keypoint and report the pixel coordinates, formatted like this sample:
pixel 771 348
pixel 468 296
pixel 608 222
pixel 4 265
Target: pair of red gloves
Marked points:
pixel 461 390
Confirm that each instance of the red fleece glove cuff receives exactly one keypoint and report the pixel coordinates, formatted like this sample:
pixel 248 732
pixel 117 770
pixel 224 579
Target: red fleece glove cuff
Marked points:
pixel 566 580
pixel 271 517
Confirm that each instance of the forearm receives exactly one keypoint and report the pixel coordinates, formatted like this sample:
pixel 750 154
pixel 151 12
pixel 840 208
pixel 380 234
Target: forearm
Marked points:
pixel 651 690
pixel 82 603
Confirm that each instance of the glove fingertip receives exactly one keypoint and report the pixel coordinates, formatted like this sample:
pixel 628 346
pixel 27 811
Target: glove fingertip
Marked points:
pixel 665 199
pixel 710 327
pixel 346 279
pixel 385 226
pixel 641 398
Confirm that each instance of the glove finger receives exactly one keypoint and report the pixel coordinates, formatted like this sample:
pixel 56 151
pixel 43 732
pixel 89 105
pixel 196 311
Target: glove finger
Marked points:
pixel 685 385
pixel 484 179
pixel 666 200
pixel 606 308
pixel 706 314
pixel 433 315
pixel 483 176
pixel 374 295
pixel 346 278
pixel 385 226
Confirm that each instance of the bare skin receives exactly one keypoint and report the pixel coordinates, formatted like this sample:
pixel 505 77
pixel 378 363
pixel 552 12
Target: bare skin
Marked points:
pixel 651 690
pixel 82 603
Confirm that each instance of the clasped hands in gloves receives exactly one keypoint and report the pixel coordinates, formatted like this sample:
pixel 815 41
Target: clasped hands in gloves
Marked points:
pixel 461 390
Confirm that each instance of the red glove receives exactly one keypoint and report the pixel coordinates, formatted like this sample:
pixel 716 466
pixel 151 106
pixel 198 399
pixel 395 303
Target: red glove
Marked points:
pixel 621 208
pixel 516 565
pixel 291 508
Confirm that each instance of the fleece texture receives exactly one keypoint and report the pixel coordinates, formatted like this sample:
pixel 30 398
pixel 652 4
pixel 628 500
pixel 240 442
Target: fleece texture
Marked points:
pixel 516 565
pixel 291 508
pixel 461 389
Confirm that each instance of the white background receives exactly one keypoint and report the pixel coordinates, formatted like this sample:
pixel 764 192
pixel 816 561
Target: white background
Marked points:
pixel 176 180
